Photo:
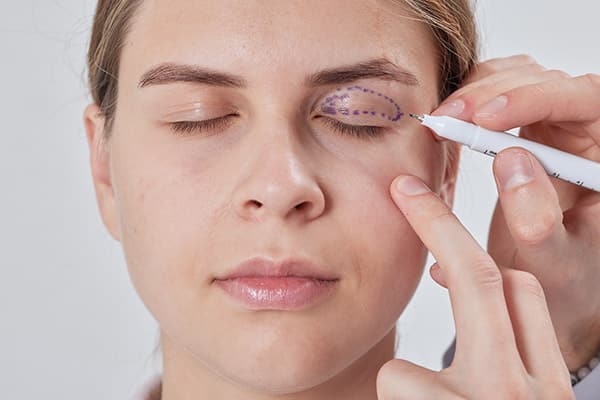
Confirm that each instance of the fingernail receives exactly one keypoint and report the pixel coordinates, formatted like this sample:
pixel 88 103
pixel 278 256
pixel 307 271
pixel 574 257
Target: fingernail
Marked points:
pixel 514 169
pixel 492 108
pixel 411 186
pixel 452 108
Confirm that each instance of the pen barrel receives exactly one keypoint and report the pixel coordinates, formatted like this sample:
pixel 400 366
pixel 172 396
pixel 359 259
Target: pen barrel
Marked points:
pixel 557 163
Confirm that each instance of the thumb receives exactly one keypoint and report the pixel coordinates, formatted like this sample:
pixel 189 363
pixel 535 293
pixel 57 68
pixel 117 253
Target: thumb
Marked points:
pixel 403 380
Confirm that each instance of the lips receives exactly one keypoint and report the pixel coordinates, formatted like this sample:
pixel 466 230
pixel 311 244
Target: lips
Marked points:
pixel 291 267
pixel 292 284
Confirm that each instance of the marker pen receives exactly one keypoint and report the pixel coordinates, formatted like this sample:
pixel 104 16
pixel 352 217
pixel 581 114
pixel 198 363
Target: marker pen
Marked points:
pixel 557 163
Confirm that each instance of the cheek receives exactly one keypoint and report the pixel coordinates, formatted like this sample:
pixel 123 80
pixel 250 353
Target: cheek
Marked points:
pixel 178 229
pixel 167 219
pixel 389 255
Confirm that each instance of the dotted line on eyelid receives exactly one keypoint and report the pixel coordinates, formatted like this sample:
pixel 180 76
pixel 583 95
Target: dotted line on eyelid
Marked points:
pixel 329 106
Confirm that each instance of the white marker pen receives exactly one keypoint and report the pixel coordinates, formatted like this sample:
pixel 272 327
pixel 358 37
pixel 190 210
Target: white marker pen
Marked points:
pixel 557 163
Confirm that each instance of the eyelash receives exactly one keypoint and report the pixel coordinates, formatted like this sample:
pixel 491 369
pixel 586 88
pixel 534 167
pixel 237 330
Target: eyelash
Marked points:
pixel 353 130
pixel 185 128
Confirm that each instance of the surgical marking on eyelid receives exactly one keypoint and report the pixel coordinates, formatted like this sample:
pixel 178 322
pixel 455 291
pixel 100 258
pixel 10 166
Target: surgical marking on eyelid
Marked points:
pixel 335 104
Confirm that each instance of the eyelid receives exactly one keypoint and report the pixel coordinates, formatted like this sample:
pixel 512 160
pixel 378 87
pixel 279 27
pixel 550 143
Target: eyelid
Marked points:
pixel 196 111
pixel 359 102
pixel 184 112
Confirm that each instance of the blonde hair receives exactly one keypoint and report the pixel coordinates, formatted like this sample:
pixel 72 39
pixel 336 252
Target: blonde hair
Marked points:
pixel 112 21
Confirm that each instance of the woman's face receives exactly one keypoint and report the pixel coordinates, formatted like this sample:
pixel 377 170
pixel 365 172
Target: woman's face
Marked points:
pixel 274 178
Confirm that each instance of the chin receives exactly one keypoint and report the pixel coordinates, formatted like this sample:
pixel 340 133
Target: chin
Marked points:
pixel 284 375
pixel 292 364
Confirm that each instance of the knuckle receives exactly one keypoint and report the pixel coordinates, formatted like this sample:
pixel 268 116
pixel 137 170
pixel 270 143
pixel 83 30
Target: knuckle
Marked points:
pixel 534 232
pixel 534 67
pixel 593 79
pixel 487 273
pixel 556 74
pixel 539 89
pixel 392 374
pixel 442 215
pixel 526 282
pixel 525 58
pixel 389 372
pixel 495 65
pixel 483 69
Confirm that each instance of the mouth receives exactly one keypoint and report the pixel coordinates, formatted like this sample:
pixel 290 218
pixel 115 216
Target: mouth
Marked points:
pixel 292 284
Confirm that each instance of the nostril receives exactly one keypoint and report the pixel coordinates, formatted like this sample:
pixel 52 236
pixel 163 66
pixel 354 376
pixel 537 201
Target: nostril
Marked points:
pixel 256 203
pixel 302 206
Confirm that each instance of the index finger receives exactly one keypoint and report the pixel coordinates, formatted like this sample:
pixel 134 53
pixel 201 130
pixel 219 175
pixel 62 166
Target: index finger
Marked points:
pixel 557 100
pixel 474 281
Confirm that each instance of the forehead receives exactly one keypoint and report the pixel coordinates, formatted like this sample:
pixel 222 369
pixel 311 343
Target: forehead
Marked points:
pixel 278 38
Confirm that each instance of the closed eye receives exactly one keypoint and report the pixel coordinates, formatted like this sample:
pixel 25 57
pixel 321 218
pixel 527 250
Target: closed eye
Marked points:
pixel 360 131
pixel 214 125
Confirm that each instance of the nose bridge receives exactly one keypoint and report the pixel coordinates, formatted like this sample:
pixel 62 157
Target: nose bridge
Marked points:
pixel 279 180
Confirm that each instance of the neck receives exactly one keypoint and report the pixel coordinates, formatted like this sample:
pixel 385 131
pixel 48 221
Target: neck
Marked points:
pixel 186 378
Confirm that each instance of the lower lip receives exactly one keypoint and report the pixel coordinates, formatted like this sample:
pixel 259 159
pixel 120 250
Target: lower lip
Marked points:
pixel 277 293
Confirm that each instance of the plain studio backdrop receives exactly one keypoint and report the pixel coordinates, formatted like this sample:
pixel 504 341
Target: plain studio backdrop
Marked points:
pixel 71 324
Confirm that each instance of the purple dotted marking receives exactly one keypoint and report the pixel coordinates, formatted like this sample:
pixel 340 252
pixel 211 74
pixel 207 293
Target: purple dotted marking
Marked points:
pixel 329 107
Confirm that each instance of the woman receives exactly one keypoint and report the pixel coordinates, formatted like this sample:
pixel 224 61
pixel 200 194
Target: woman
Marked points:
pixel 275 205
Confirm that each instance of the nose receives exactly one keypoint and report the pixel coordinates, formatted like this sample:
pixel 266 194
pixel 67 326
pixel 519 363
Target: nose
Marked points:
pixel 279 183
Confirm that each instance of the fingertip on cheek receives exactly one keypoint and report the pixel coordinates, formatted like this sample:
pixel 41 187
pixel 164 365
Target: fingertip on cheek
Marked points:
pixel 408 185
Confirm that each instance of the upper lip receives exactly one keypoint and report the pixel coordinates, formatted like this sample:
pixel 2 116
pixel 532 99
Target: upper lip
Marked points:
pixel 261 266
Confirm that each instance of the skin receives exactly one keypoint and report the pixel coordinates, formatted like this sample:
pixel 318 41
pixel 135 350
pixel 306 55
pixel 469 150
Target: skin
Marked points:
pixel 543 239
pixel 182 208
pixel 544 225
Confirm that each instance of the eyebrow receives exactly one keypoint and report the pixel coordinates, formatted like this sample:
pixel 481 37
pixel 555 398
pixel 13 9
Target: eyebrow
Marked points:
pixel 380 68
pixel 176 73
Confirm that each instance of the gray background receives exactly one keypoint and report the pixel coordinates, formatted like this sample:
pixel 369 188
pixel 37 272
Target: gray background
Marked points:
pixel 71 324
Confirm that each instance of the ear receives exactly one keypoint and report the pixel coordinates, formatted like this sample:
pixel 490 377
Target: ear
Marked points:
pixel 448 186
pixel 100 166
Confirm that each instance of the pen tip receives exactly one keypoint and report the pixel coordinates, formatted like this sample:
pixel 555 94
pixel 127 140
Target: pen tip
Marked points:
pixel 416 116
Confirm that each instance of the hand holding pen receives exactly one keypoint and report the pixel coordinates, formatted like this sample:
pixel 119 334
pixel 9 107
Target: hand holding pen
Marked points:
pixel 529 308
pixel 541 224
